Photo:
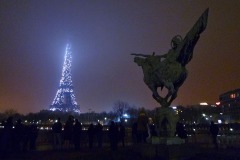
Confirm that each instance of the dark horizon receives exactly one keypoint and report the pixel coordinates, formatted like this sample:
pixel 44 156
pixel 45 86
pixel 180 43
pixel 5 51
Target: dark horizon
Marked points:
pixel 34 35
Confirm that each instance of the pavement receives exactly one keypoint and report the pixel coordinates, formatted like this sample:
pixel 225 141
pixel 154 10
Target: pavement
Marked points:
pixel 130 152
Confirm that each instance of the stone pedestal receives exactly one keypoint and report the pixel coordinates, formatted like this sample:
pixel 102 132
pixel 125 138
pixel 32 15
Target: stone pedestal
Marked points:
pixel 166 120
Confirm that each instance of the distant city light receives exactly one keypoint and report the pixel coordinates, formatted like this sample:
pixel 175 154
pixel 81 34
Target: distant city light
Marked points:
pixel 126 115
pixel 174 107
pixel 218 103
pixel 203 103
pixel 219 121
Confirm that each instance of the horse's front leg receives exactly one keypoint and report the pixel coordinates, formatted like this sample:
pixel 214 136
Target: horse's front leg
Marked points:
pixel 174 95
pixel 155 94
pixel 170 88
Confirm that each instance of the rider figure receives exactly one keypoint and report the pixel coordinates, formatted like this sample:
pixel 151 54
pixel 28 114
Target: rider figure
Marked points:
pixel 153 62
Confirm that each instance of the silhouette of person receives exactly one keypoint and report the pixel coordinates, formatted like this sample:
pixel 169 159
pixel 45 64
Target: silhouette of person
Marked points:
pixel 134 133
pixel 26 137
pixel 33 136
pixel 113 136
pixel 153 130
pixel 99 133
pixel 142 129
pixel 7 135
pixel 214 132
pixel 90 135
pixel 18 135
pixel 77 131
pixel 180 131
pixel 68 132
pixel 57 134
pixel 122 134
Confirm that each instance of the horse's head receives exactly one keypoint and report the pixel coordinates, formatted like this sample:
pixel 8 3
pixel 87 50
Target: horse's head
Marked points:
pixel 139 60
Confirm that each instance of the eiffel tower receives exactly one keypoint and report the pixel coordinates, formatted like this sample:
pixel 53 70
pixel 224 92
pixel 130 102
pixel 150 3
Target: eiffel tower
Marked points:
pixel 65 100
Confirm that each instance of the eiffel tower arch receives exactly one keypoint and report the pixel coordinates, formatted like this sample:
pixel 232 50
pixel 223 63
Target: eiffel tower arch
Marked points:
pixel 65 100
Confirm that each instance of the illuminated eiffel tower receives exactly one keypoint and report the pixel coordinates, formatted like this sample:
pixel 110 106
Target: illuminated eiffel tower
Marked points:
pixel 65 100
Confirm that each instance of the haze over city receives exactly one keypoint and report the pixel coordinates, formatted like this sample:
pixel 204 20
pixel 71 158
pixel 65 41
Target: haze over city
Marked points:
pixel 103 34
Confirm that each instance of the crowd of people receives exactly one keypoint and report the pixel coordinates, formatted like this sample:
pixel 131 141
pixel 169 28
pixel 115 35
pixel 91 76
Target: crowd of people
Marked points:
pixel 18 138
pixel 69 135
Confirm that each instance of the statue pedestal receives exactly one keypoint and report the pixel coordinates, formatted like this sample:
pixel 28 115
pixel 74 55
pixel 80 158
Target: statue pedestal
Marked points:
pixel 166 120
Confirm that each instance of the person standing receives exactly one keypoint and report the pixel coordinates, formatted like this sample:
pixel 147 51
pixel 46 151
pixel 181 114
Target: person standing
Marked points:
pixel 77 131
pixel 214 132
pixel 18 135
pixel 33 134
pixel 99 133
pixel 122 134
pixel 68 132
pixel 7 138
pixel 180 130
pixel 57 134
pixel 142 129
pixel 134 133
pixel 113 136
pixel 90 135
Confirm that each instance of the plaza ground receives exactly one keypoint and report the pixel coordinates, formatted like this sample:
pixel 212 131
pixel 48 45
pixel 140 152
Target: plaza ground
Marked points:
pixel 197 147
pixel 130 152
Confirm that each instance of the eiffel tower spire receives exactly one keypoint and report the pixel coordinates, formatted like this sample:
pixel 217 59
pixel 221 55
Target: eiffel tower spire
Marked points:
pixel 65 100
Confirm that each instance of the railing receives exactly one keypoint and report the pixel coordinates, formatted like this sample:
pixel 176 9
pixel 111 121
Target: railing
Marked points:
pixel 45 138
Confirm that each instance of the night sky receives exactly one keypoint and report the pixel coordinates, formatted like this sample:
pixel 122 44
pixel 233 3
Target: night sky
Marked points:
pixel 34 34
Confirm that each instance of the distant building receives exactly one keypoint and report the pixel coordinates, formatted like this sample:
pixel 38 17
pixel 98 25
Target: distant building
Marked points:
pixel 230 98
pixel 230 104
pixel 198 113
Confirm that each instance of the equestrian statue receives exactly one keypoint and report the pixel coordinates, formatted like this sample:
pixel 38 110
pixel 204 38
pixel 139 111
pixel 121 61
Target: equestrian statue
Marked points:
pixel 168 70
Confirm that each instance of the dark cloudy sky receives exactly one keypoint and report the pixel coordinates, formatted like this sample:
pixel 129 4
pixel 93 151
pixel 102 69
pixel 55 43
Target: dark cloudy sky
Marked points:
pixel 103 33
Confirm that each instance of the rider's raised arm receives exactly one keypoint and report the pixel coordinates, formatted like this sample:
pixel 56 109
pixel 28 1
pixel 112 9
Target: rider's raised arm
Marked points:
pixel 142 55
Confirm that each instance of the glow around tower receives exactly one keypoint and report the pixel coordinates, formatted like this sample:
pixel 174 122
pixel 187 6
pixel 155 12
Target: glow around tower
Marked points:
pixel 65 100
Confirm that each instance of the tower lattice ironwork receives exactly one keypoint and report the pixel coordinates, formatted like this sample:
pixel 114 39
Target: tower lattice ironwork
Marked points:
pixel 65 100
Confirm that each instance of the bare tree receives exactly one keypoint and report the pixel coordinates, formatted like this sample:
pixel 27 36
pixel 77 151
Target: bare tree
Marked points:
pixel 120 108
pixel 10 112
